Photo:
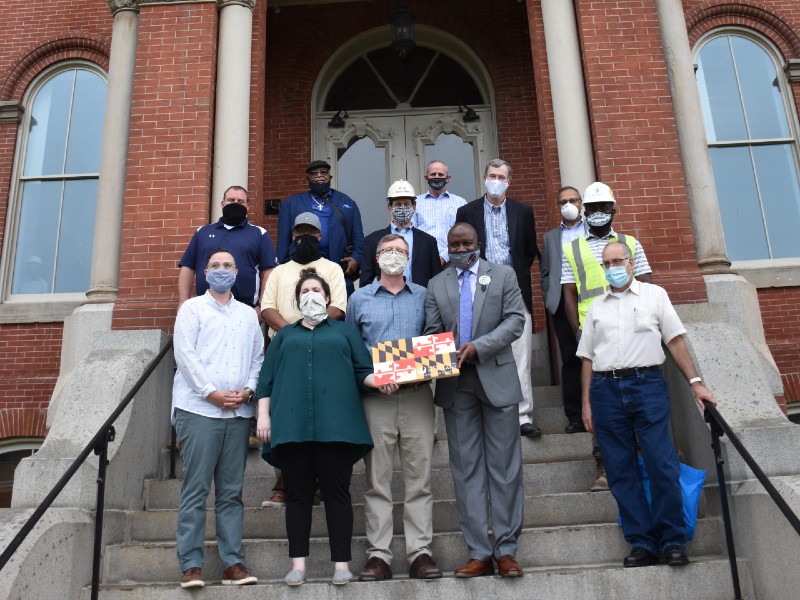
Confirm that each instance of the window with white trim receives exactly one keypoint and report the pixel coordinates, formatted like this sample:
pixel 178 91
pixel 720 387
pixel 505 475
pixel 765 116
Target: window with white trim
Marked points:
pixel 55 192
pixel 751 128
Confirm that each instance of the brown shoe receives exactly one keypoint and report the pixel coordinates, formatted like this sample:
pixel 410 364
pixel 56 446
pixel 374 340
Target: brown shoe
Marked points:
pixel 475 568
pixel 424 567
pixel 237 575
pixel 601 482
pixel 376 569
pixel 507 566
pixel 192 578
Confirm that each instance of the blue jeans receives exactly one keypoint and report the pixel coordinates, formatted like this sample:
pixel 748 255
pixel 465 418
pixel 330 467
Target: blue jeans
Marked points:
pixel 635 409
pixel 212 449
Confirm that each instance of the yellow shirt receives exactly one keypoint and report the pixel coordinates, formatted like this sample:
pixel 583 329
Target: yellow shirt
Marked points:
pixel 279 291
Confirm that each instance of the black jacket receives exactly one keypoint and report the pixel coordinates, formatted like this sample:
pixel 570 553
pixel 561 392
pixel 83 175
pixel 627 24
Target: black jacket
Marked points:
pixel 425 261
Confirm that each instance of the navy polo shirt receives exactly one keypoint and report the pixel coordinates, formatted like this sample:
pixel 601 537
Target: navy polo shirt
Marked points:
pixel 251 247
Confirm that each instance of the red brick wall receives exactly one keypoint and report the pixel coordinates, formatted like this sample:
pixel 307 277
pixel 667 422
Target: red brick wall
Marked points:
pixel 63 30
pixel 169 160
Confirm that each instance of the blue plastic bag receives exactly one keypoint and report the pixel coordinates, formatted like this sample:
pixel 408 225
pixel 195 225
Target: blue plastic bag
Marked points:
pixel 692 481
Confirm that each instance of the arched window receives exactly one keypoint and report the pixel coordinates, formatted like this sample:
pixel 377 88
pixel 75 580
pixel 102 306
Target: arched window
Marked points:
pixel 751 128
pixel 55 192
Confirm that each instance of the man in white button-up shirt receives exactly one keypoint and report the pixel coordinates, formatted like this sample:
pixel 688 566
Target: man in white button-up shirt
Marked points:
pixel 625 401
pixel 218 350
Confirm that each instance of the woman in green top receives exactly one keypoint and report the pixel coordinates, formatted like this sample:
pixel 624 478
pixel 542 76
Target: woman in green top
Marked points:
pixel 312 422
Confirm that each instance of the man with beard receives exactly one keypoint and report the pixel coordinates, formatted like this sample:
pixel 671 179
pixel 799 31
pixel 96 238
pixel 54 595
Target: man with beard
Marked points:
pixel 423 254
pixel 279 308
pixel 339 218
pixel 250 245
pixel 584 280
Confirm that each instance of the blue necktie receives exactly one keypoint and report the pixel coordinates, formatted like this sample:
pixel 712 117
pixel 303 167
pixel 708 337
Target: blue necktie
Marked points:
pixel 465 308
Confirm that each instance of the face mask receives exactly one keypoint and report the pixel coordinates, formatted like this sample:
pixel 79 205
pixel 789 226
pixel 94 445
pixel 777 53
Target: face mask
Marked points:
pixel 570 212
pixel 437 183
pixel 617 276
pixel 234 214
pixel 599 219
pixel 393 264
pixel 319 189
pixel 402 215
pixel 307 249
pixel 495 187
pixel 221 280
pixel 313 307
pixel 464 260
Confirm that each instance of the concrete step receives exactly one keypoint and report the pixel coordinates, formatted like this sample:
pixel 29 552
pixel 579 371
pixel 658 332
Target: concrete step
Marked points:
pixel 269 523
pixel 706 578
pixel 558 446
pixel 538 478
pixel 537 547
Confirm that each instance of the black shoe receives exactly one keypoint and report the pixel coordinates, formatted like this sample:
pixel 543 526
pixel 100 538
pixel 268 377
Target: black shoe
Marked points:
pixel 575 427
pixel 639 557
pixel 675 556
pixel 529 430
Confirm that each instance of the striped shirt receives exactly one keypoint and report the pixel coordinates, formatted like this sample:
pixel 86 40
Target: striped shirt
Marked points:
pixel 436 216
pixel 498 245
pixel 596 245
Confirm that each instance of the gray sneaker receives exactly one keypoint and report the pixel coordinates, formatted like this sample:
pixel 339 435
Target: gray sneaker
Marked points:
pixel 342 576
pixel 295 577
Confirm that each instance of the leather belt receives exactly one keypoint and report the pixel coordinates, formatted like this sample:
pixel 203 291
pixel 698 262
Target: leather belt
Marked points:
pixel 632 372
pixel 408 387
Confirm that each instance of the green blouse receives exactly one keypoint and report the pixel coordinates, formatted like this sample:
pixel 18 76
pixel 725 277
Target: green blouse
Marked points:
pixel 313 378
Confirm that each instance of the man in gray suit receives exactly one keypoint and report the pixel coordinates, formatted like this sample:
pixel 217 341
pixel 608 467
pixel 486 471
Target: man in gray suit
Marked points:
pixel 481 304
pixel 571 226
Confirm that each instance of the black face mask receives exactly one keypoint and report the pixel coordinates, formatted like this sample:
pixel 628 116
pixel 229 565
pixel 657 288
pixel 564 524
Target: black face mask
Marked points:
pixel 437 183
pixel 319 189
pixel 307 249
pixel 234 214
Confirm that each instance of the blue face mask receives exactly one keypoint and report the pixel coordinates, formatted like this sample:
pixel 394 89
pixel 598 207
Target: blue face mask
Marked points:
pixel 617 276
pixel 221 280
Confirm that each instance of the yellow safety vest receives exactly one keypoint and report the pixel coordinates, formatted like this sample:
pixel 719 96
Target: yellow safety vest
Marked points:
pixel 590 277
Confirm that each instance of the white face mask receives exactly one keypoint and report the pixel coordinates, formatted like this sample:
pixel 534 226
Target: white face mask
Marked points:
pixel 313 307
pixel 570 212
pixel 393 263
pixel 495 187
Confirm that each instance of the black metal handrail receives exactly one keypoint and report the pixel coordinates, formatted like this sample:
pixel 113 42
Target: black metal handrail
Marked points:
pixel 720 427
pixel 99 446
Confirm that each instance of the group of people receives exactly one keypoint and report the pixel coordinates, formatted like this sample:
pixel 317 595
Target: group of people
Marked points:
pixel 442 265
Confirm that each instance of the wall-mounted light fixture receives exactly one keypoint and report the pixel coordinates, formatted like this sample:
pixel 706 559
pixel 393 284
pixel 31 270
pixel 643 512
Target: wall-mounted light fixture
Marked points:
pixel 470 116
pixel 402 21
pixel 337 121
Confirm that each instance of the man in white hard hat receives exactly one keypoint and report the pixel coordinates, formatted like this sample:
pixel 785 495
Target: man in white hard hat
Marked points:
pixel 583 278
pixel 423 252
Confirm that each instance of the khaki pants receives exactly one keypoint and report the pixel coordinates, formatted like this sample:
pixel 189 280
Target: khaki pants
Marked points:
pixel 404 420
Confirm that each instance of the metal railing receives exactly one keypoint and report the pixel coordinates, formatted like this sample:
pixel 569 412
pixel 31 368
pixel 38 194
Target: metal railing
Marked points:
pixel 99 446
pixel 720 427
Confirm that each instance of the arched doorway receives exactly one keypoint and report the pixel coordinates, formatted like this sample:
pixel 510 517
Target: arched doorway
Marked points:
pixel 400 113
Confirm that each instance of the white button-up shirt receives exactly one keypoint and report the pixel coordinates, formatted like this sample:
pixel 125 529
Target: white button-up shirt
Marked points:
pixel 437 215
pixel 625 330
pixel 217 347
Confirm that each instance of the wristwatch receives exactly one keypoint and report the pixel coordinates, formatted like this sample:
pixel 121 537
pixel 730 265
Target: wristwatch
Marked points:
pixel 251 394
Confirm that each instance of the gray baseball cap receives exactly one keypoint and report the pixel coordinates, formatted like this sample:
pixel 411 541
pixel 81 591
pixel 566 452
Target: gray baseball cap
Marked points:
pixel 307 218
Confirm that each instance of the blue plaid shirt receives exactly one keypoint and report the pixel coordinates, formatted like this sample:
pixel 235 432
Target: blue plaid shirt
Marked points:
pixel 379 315
pixel 498 246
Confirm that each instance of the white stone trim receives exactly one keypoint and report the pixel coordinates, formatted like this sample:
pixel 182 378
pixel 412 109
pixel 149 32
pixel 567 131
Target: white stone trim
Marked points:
pixel 792 70
pixel 37 310
pixel 117 5
pixel 779 272
pixel 11 112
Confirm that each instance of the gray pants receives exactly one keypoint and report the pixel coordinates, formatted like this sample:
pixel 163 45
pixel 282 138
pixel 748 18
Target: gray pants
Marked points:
pixel 212 449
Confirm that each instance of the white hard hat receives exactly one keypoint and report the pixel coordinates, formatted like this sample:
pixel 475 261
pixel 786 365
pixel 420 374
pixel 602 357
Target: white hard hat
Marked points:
pixel 400 189
pixel 598 192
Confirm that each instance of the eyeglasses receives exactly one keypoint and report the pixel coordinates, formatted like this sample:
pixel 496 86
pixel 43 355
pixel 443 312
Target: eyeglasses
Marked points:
pixel 215 266
pixel 319 172
pixel 392 251
pixel 615 262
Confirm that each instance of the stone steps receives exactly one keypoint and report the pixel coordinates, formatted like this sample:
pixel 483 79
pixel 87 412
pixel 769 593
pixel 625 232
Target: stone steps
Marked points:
pixel 537 547
pixel 706 578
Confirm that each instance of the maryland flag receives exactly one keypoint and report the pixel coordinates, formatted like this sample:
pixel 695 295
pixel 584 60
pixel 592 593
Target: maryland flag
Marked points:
pixel 410 360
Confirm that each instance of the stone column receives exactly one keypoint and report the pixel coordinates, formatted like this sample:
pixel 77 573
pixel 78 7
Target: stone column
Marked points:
pixel 232 119
pixel 104 279
pixel 708 234
pixel 573 134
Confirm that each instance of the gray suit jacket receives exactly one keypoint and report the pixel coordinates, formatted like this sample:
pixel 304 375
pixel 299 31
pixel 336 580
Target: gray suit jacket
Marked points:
pixel 498 319
pixel 550 269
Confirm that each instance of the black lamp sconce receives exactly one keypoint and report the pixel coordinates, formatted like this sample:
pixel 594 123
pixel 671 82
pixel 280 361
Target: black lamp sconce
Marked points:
pixel 337 121
pixel 402 21
pixel 470 116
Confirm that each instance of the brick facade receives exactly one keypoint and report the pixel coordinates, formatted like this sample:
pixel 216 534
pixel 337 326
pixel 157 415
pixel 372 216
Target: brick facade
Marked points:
pixel 172 130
